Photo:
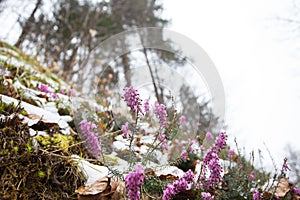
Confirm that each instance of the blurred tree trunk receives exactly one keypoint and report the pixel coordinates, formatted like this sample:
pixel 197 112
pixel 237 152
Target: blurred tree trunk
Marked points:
pixel 2 5
pixel 27 25
pixel 126 66
pixel 159 97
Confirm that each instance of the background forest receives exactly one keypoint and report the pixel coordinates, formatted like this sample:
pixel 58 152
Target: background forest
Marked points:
pixel 49 63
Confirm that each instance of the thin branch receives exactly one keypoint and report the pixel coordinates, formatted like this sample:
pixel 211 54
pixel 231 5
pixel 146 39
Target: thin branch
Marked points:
pixel 27 25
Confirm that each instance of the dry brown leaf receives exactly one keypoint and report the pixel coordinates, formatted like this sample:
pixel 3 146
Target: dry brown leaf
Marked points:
pixel 41 95
pixel 97 187
pixel 120 192
pixel 110 191
pixel 103 189
pixel 283 187
pixel 138 140
pixel 268 195
pixel 168 177
pixel 7 88
pixel 34 116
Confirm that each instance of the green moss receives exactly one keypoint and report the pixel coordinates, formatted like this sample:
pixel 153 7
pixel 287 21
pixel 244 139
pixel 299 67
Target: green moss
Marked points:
pixel 29 172
pixel 41 174
pixel 58 140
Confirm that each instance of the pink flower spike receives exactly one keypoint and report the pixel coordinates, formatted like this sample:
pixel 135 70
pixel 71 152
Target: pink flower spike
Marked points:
pixel 146 106
pixel 161 137
pixel 257 195
pixel 44 88
pixel 63 92
pixel 230 153
pixel 164 145
pixel 285 167
pixel 296 190
pixel 209 136
pixel 89 134
pixel 125 130
pixel 182 120
pixel 132 98
pixel 160 111
pixel 54 95
pixel 207 196
pixel 178 185
pixel 251 176
pixel 133 182
pixel 191 148
pixel 184 155
pixel 72 93
pixel 220 142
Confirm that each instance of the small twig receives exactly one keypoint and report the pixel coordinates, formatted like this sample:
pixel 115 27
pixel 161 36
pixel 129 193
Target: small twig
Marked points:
pixel 73 145
pixel 54 154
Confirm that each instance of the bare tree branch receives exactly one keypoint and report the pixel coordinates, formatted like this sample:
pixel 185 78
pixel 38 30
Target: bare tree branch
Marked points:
pixel 27 25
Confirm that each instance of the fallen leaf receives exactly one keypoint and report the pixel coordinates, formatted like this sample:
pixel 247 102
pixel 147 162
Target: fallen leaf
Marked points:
pixel 95 188
pixel 103 189
pixel 34 116
pixel 120 192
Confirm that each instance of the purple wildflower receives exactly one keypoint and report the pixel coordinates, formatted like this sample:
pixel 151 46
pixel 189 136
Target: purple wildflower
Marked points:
pixel 133 182
pixel 182 120
pixel 230 153
pixel 44 88
pixel 192 149
pixel 132 98
pixel 209 136
pixel 257 195
pixel 211 163
pixel 296 190
pixel 184 155
pixel 125 130
pixel 90 137
pixel 72 93
pixel 207 196
pixel 146 106
pixel 221 141
pixel 251 176
pixel 178 186
pixel 161 112
pixel 164 143
pixel 54 95
pixel 161 137
pixel 63 92
pixel 285 167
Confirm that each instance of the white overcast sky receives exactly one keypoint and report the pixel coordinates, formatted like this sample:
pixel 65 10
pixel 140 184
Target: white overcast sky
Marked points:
pixel 257 58
pixel 258 61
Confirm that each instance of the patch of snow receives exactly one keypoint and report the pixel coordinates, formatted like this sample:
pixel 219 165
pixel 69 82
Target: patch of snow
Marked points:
pixel 147 139
pixel 36 133
pixel 121 145
pixel 47 116
pixel 51 107
pixel 65 131
pixel 149 129
pixel 169 170
pixel 91 171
